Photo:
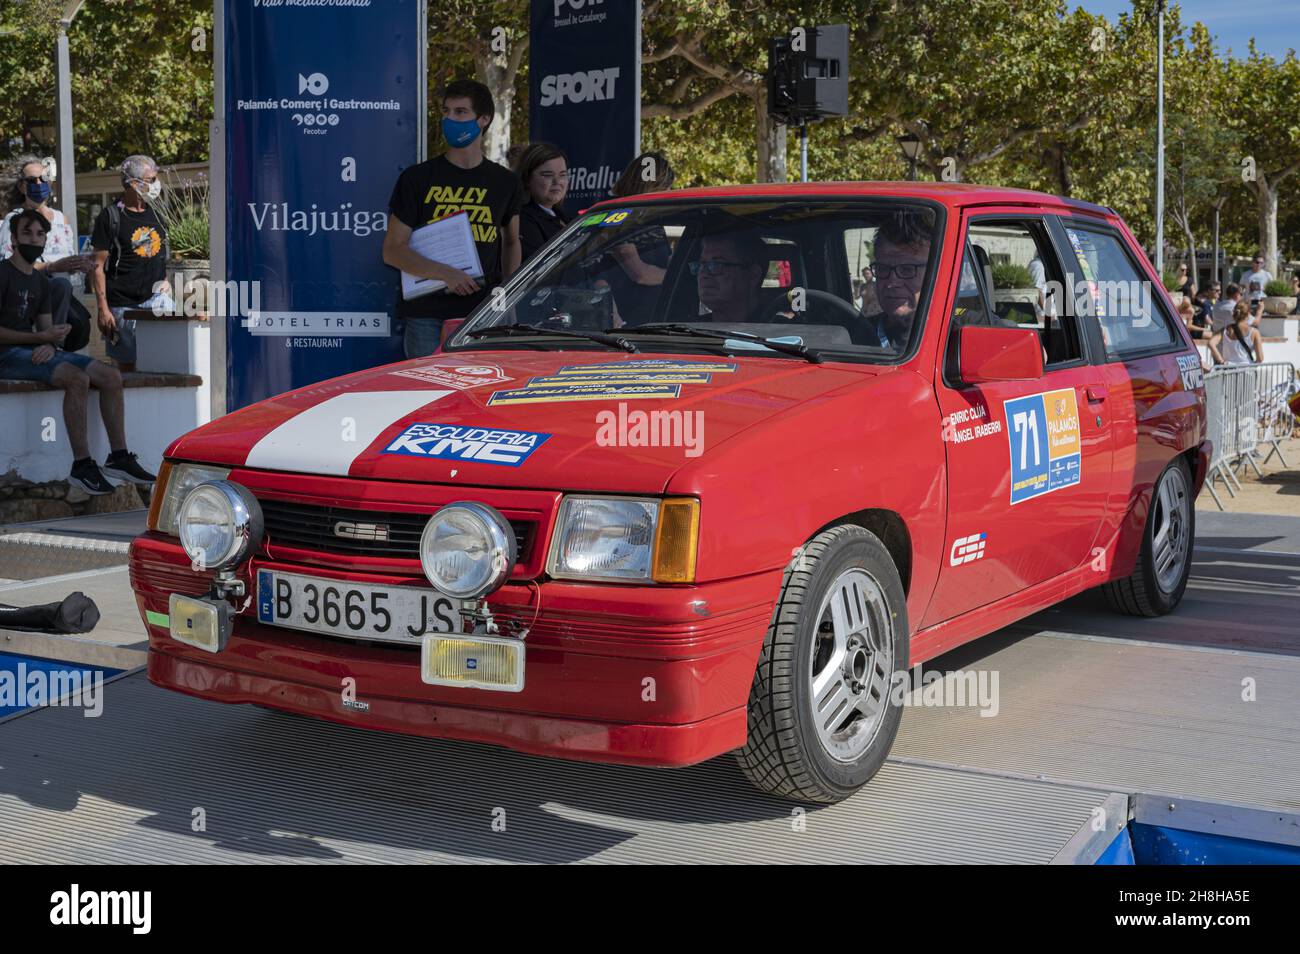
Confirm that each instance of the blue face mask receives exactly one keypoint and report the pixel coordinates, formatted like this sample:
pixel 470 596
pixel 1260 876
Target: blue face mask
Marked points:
pixel 38 192
pixel 460 133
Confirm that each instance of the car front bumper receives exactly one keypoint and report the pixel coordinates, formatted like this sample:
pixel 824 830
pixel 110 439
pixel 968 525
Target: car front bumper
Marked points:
pixel 651 675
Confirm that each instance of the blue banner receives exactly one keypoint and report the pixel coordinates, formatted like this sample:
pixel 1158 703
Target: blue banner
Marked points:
pixel 322 113
pixel 584 66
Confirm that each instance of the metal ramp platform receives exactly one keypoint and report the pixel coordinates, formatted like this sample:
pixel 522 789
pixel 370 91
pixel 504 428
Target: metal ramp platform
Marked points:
pixel 1090 713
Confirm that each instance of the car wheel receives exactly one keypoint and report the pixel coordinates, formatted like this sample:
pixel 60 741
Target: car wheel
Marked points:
pixel 1157 583
pixel 821 718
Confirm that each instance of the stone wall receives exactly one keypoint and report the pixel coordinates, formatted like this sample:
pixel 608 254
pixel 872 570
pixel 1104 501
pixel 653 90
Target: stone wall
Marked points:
pixel 22 501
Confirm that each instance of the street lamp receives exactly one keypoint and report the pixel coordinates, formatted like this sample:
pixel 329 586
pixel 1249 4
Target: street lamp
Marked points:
pixel 911 146
pixel 1160 138
pixel 63 81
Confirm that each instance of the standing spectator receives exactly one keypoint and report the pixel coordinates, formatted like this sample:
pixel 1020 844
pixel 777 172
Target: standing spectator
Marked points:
pixel 544 175
pixel 1254 281
pixel 1239 342
pixel 130 243
pixel 460 180
pixel 1295 293
pixel 59 262
pixel 29 351
pixel 1184 280
pixel 1227 305
pixel 642 263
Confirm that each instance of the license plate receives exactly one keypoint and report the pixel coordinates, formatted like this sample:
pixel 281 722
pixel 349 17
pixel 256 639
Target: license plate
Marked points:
pixel 395 614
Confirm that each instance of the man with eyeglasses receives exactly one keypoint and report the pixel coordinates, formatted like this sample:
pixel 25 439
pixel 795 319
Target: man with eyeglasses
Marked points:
pixel 729 276
pixel 902 250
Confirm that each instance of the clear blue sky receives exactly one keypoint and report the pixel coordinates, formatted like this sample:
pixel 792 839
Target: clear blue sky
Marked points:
pixel 1275 24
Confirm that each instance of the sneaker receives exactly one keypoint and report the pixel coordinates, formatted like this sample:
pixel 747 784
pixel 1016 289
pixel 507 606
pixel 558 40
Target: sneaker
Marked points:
pixel 124 466
pixel 86 475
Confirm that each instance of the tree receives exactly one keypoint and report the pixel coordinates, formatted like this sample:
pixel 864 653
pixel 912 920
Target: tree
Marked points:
pixel 1263 93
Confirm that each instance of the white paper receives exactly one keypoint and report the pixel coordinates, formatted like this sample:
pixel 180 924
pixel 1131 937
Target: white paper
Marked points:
pixel 448 241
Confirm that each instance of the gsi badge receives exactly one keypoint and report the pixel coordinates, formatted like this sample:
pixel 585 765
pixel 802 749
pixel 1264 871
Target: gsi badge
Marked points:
pixel 370 532
pixel 966 549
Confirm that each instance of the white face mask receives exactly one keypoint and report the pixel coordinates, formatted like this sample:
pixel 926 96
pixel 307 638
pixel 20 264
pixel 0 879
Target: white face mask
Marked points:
pixel 148 190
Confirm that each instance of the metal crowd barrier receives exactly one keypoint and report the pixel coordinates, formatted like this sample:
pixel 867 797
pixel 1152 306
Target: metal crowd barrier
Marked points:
pixel 1246 410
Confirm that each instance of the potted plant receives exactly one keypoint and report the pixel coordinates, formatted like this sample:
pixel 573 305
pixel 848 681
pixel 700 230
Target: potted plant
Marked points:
pixel 1278 298
pixel 1013 284
pixel 183 209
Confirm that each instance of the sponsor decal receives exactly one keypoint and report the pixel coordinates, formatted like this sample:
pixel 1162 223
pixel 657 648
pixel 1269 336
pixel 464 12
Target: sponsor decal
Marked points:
pixel 646 380
pixel 1043 437
pixel 967 549
pixel 587 86
pixel 461 377
pixel 605 219
pixel 1189 368
pixel 484 445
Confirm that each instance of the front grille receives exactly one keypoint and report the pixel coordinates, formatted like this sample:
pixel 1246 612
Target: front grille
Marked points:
pixel 312 527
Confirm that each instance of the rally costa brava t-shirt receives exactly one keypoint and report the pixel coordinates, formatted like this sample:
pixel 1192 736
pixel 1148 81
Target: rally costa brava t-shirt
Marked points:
pixel 489 193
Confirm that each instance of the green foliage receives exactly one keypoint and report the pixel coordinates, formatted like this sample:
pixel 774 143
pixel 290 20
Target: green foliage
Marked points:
pixel 1011 275
pixel 1278 288
pixel 183 208
pixel 1171 282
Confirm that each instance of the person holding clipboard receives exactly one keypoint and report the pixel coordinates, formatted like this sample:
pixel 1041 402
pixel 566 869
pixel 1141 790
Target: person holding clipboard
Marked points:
pixel 462 180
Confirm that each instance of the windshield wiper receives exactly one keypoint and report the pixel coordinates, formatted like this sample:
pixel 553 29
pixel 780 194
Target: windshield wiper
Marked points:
pixel 610 341
pixel 672 328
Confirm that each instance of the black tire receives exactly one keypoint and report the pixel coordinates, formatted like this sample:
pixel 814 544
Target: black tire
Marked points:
pixel 783 754
pixel 1140 593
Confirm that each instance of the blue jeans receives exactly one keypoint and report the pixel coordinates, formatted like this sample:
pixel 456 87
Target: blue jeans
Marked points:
pixel 423 336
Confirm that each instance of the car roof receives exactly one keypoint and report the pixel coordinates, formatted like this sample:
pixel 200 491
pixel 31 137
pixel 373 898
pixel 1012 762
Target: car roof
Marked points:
pixel 951 194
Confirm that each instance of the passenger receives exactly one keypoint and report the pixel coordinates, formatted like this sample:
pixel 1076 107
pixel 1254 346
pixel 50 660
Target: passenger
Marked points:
pixel 641 265
pixel 902 251
pixel 729 276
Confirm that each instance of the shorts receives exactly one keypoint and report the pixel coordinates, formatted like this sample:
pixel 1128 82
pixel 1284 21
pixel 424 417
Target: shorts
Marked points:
pixel 123 349
pixel 16 364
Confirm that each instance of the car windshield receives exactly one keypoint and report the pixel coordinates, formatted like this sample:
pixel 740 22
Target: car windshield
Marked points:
pixel 845 280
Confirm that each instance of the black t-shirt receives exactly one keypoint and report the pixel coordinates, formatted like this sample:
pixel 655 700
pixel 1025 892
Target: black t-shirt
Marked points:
pixel 22 298
pixel 537 226
pixel 432 190
pixel 138 262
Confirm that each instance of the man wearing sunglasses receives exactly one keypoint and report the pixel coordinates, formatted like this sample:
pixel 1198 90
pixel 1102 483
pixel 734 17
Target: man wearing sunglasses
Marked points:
pixel 729 276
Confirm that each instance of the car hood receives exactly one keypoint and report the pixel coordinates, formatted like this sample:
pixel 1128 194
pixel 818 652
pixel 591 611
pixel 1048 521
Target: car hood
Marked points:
pixel 546 420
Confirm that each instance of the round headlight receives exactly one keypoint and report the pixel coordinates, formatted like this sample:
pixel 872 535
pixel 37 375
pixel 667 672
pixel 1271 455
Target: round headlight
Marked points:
pixel 467 550
pixel 220 523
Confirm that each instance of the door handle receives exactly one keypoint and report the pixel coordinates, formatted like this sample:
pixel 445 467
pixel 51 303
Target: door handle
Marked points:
pixel 1096 393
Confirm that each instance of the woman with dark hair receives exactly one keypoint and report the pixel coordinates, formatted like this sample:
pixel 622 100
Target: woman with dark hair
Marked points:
pixel 544 173
pixel 648 172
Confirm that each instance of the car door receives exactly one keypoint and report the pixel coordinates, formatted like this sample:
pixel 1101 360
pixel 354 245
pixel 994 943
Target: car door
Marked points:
pixel 1029 462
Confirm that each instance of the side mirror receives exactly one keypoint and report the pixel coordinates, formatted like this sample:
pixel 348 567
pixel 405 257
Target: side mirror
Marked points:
pixel 998 354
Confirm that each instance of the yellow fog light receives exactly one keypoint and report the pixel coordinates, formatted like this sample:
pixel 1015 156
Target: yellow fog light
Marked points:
pixel 473 662
pixel 676 541
pixel 203 624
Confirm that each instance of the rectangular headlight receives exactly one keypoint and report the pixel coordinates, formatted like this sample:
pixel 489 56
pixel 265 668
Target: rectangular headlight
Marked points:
pixel 174 482
pixel 625 539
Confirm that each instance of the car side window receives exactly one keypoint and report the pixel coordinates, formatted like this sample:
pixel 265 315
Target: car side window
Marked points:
pixel 1110 288
pixel 1026 285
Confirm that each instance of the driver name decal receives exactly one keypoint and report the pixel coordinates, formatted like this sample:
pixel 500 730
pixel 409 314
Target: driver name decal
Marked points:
pixel 1043 436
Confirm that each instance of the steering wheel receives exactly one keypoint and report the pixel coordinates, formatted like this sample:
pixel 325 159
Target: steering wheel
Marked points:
pixel 768 310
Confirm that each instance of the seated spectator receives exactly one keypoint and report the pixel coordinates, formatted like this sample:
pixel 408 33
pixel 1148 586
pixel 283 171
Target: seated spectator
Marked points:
pixel 131 249
pixel 1225 308
pixel 60 262
pixel 544 173
pixel 29 351
pixel 1197 329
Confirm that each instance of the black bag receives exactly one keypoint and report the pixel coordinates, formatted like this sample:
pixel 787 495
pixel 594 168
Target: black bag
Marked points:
pixel 76 613
pixel 79 318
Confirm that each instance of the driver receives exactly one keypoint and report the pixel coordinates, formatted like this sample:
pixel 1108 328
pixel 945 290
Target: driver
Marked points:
pixel 729 275
pixel 902 249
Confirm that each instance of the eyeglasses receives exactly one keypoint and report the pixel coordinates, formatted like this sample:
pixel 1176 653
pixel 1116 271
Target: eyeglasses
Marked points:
pixel 904 272
pixel 714 267
pixel 31 179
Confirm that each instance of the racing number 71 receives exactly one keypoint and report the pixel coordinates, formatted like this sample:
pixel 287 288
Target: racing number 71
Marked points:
pixel 1025 422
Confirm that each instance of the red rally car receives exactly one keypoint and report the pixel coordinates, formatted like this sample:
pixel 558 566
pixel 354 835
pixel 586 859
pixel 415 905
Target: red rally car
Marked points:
pixel 709 474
